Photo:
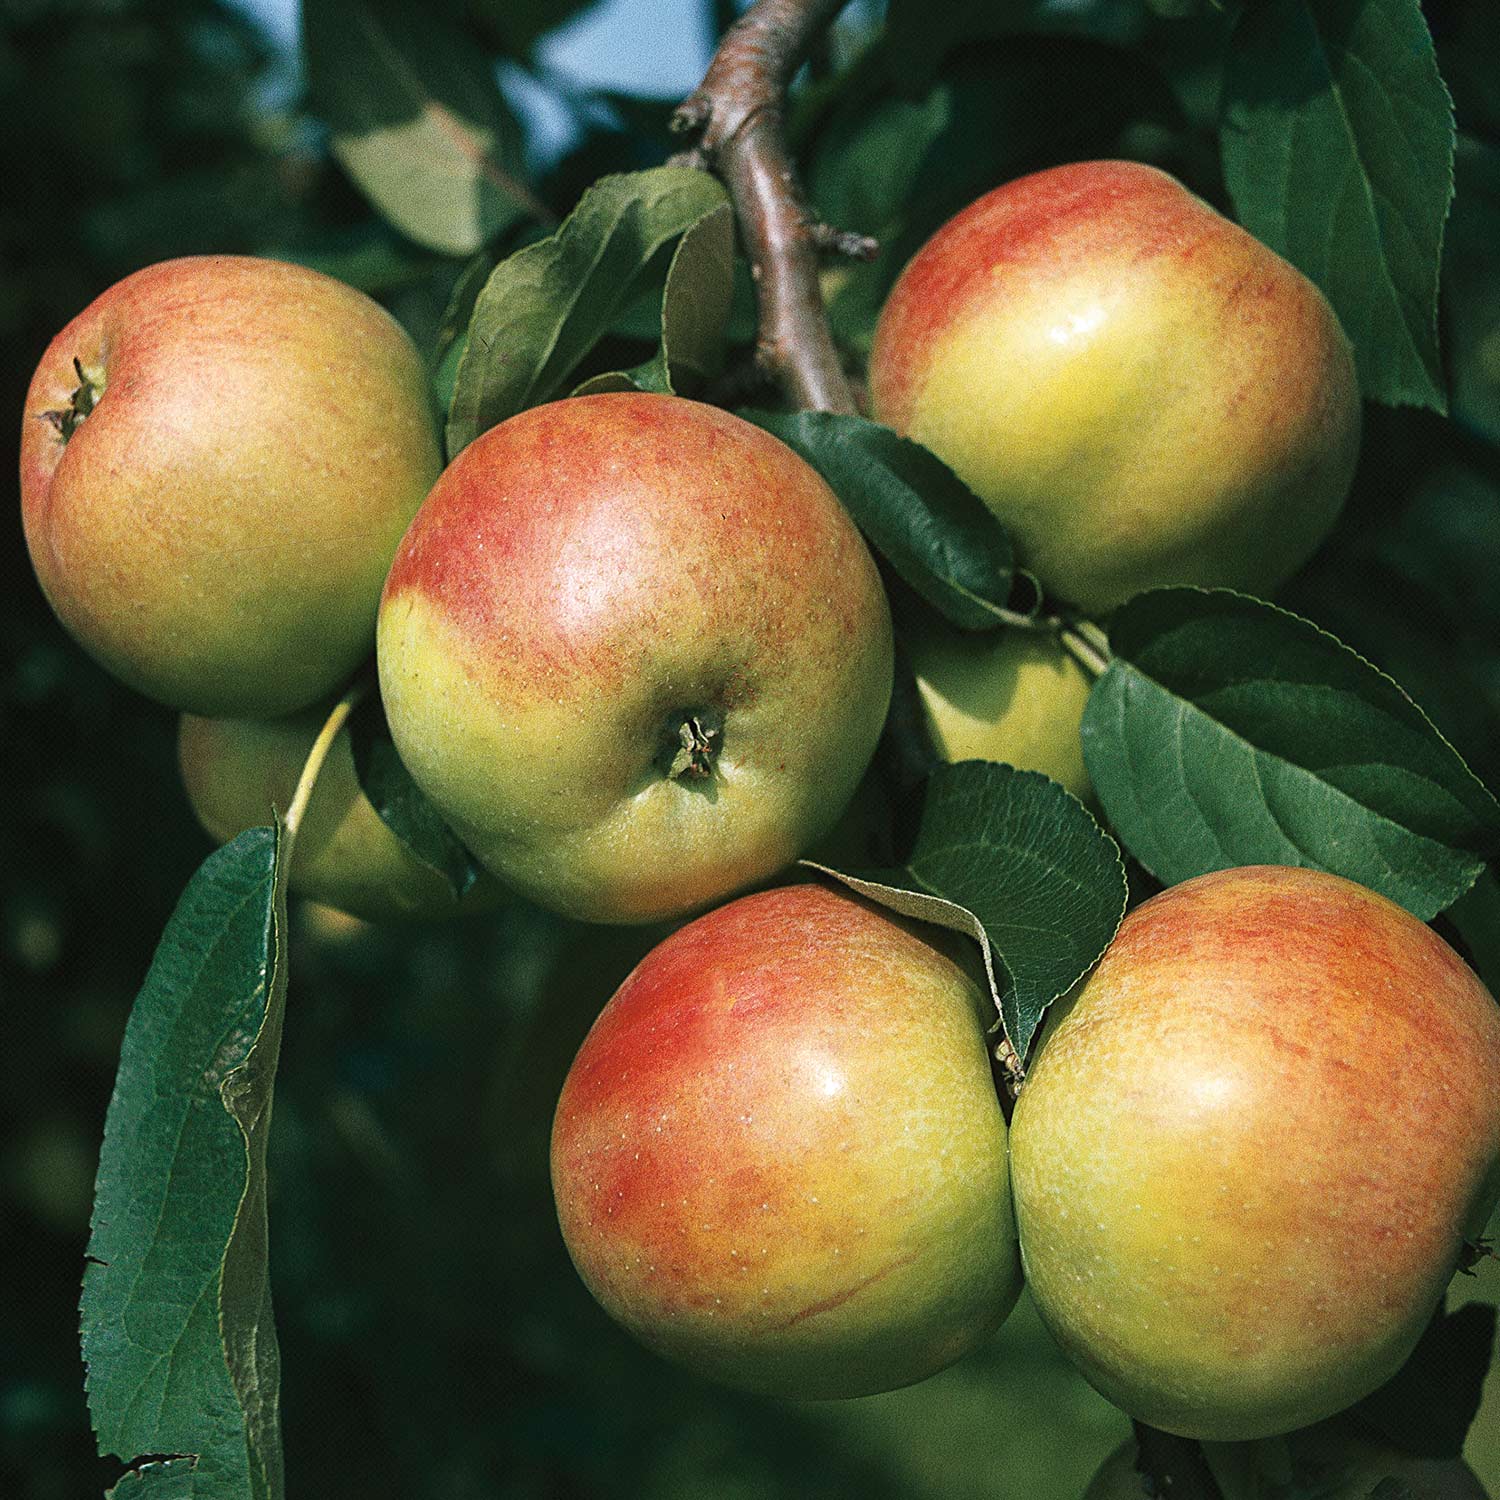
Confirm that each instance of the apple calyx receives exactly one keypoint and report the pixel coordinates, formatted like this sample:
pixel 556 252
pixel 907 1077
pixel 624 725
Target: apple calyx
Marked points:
pixel 693 747
pixel 84 399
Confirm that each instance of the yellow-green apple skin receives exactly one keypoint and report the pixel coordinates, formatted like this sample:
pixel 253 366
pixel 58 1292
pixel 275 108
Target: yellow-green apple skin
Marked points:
pixel 216 529
pixel 1251 1147
pixel 1331 1461
pixel 236 770
pixel 779 1156
pixel 1011 695
pixel 1140 390
pixel 636 653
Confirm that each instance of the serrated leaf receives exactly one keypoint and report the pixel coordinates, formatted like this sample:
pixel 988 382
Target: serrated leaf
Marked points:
pixel 177 1331
pixel 1014 852
pixel 401 803
pixel 544 307
pixel 1337 137
pixel 935 532
pixel 1427 1406
pixel 170 1479
pixel 694 309
pixel 417 119
pixel 1229 732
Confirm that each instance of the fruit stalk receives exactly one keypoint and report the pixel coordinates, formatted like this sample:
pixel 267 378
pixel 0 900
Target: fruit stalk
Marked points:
pixel 337 718
pixel 738 111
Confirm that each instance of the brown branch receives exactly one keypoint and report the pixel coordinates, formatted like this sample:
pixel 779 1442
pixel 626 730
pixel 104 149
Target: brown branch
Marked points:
pixel 739 108
pixel 1174 1467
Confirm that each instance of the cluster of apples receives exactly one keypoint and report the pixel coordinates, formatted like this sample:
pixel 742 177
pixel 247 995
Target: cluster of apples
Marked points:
pixel 1238 1177
pixel 635 652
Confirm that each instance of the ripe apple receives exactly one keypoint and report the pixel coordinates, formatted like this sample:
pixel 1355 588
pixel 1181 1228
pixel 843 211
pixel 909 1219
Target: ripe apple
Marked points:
pixel 1251 1147
pixel 1331 1461
pixel 779 1156
pixel 218 458
pixel 1010 695
pixel 1140 390
pixel 635 651
pixel 345 856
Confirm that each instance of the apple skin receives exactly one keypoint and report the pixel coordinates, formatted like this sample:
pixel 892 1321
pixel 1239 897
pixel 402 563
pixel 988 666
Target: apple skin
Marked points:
pixel 779 1156
pixel 1140 390
pixel 583 580
pixel 236 770
pixel 1331 1461
pixel 1251 1147
pixel 1011 695
pixel 217 529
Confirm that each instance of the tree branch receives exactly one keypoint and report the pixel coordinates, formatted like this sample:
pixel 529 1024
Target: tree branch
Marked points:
pixel 739 109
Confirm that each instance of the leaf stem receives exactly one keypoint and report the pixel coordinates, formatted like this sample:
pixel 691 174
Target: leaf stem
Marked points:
pixel 1086 643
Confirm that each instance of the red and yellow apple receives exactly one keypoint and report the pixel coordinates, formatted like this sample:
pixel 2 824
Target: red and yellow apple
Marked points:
pixel 1251 1147
pixel 1010 695
pixel 779 1156
pixel 1140 390
pixel 218 458
pixel 636 653
pixel 236 770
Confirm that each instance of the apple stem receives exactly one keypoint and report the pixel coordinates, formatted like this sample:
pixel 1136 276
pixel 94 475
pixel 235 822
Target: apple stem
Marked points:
pixel 318 755
pixel 738 111
pixel 1174 1466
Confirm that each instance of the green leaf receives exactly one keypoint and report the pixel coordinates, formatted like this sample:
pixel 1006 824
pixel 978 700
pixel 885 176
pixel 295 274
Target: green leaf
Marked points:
pixel 1427 1406
pixel 935 532
pixel 1013 860
pixel 544 307
pixel 1229 732
pixel 1337 137
pixel 171 1479
pixel 401 803
pixel 517 24
pixel 447 347
pixel 417 119
pixel 177 1330
pixel 694 310
pixel 921 34
pixel 695 301
pixel 1476 915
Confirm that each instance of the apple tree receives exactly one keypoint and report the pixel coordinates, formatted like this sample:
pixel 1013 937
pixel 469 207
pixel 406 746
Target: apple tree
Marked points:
pixel 1150 347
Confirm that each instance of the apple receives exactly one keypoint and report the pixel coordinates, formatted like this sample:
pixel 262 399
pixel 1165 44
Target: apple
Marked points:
pixel 779 1156
pixel 218 458
pixel 636 653
pixel 236 770
pixel 1012 695
pixel 1331 1461
pixel 1140 390
pixel 1251 1147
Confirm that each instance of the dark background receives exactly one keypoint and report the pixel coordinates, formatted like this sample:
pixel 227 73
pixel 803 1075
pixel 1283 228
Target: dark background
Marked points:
pixel 435 1340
